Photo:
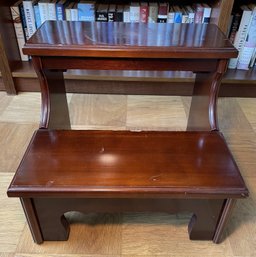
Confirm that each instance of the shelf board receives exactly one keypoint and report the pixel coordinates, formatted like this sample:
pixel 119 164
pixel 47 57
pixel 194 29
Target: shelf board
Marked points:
pixel 231 77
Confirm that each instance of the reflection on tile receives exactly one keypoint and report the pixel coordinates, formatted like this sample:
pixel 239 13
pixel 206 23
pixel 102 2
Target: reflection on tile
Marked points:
pixel 98 110
pixel 230 116
pixel 248 105
pixel 93 234
pixel 163 234
pixel 14 139
pixel 12 219
pixel 23 108
pixel 156 112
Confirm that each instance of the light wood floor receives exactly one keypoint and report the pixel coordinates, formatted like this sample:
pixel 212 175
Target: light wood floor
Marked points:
pixel 126 235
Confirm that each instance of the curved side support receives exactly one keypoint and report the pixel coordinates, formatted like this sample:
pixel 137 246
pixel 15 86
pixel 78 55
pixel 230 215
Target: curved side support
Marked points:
pixel 203 109
pixel 54 110
pixel 45 96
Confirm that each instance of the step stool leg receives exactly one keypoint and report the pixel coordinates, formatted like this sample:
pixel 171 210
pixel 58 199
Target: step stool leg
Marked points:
pixel 53 224
pixel 32 220
pixel 203 223
pixel 225 215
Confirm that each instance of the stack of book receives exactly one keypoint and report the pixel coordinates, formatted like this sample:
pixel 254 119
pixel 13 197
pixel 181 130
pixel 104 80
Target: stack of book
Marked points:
pixel 242 33
pixel 28 15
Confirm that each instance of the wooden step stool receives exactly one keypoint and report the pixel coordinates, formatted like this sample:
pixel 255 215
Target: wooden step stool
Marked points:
pixel 120 171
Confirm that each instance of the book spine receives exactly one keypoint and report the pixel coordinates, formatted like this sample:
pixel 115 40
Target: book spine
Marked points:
pixel 191 14
pixel 199 12
pixel 177 15
pixel 126 13
pixel 30 18
pixel 252 61
pixel 134 13
pixel 234 27
pixel 52 11
pixel 162 13
pixel 206 14
pixel 60 12
pixel 86 11
pixel 111 13
pixel 152 13
pixel 119 16
pixel 37 15
pixel 170 17
pixel 16 18
pixel 23 21
pixel 43 10
pixel 144 13
pixel 247 51
pixel 240 37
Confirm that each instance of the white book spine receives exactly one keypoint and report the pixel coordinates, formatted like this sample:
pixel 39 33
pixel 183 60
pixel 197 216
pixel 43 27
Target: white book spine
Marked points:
pixel 241 36
pixel 126 16
pixel 74 14
pixel 207 15
pixel 43 10
pixel 170 17
pixel 246 53
pixel 52 11
pixel 18 30
pixel 30 17
pixel 134 13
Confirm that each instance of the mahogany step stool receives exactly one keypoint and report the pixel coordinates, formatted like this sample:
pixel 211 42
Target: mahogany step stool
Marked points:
pixel 121 171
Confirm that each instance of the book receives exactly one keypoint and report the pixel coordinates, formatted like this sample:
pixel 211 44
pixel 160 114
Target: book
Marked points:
pixel 134 12
pixel 43 10
pixel 241 34
pixel 74 12
pixel 247 51
pixel 60 9
pixel 252 61
pixel 177 14
pixel 184 15
pixel 170 15
pixel 199 12
pixel 37 15
pixel 119 16
pixel 126 14
pixel 234 26
pixel 152 12
pixel 144 11
pixel 86 10
pixel 16 19
pixel 111 12
pixel 206 13
pixel 23 21
pixel 68 11
pixel 52 10
pixel 29 16
pixel 191 13
pixel 101 13
pixel 162 13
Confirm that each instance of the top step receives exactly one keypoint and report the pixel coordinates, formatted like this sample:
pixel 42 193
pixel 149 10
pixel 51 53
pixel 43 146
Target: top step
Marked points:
pixel 140 40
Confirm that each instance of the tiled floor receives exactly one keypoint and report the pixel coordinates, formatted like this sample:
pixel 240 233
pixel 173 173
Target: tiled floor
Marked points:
pixel 126 235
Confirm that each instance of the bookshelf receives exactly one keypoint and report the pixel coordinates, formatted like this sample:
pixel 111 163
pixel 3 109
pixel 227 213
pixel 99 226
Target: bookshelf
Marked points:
pixel 16 76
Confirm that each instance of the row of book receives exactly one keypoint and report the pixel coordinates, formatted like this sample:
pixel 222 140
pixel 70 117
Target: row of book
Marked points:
pixel 28 15
pixel 242 33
